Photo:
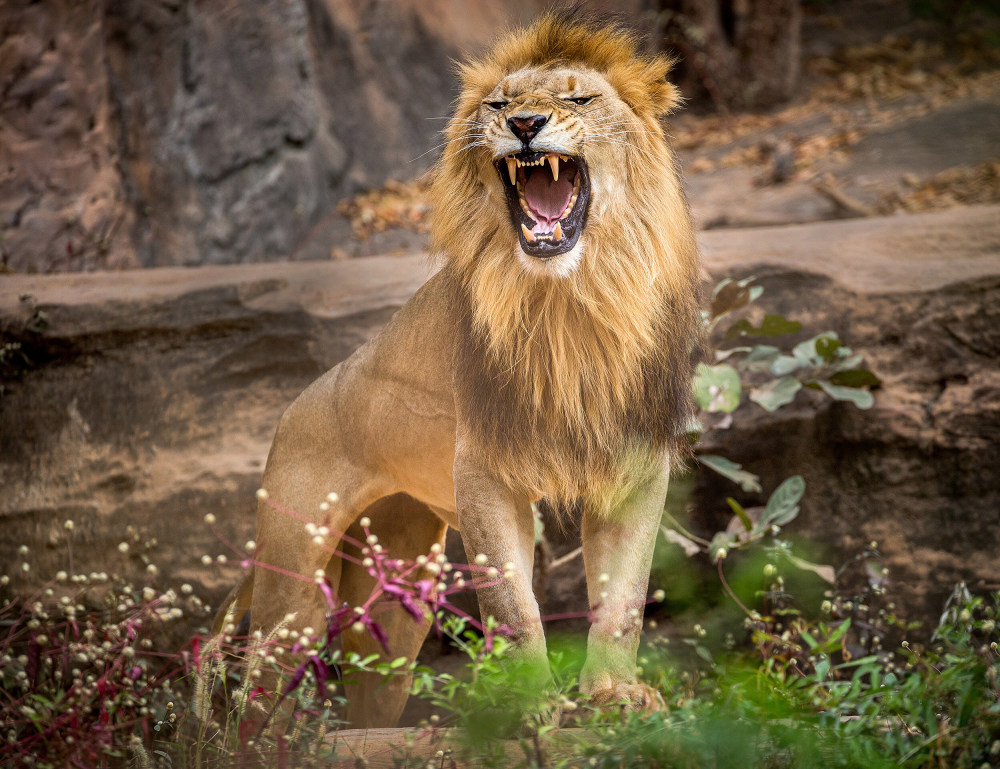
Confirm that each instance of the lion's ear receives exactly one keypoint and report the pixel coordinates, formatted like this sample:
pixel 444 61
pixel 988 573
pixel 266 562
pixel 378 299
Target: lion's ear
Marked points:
pixel 644 86
pixel 665 97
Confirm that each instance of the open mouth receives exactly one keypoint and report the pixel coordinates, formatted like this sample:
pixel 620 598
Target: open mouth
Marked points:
pixel 547 197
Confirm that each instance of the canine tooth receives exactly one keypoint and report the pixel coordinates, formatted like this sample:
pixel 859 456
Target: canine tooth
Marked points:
pixel 554 165
pixel 528 235
pixel 557 232
pixel 512 170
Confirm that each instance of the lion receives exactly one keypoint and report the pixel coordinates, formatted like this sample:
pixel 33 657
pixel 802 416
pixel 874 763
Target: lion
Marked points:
pixel 548 358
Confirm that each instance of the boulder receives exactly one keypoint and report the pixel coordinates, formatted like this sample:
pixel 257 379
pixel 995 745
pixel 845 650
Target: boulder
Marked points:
pixel 149 398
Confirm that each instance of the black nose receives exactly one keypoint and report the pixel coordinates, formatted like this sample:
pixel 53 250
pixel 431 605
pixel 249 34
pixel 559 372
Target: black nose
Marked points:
pixel 525 128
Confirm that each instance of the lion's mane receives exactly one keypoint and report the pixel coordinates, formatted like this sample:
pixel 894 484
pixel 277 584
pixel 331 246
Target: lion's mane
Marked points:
pixel 570 380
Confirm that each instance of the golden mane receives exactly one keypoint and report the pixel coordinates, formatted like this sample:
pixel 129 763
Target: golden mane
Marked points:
pixel 584 367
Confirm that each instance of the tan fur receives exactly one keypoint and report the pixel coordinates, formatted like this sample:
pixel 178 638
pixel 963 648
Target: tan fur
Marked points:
pixel 579 347
pixel 508 378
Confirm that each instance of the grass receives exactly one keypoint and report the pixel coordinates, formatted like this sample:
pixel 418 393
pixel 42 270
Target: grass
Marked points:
pixel 844 685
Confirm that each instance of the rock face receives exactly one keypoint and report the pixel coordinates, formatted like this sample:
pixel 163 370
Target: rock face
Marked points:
pixel 150 399
pixel 156 133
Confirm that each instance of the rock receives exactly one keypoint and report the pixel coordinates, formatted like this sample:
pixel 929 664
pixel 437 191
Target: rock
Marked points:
pixel 63 202
pixel 149 398
pixel 148 133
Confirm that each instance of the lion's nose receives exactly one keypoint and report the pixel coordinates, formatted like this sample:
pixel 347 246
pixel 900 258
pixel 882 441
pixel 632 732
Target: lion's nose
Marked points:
pixel 526 128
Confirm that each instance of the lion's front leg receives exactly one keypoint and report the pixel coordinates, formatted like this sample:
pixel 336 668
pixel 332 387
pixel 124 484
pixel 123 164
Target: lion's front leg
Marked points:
pixel 498 531
pixel 617 552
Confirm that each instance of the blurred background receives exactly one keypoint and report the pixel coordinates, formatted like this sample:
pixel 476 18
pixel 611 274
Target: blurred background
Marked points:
pixel 152 133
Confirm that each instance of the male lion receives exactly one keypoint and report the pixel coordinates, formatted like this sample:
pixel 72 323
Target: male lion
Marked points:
pixel 548 358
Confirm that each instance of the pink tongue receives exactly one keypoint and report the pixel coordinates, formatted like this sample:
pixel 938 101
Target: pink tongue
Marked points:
pixel 546 197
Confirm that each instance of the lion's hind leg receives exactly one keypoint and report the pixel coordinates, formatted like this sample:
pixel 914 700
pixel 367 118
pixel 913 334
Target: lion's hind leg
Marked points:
pixel 405 529
pixel 299 531
pixel 234 613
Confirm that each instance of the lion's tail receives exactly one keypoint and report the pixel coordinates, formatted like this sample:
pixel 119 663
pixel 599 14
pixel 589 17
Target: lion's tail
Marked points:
pixel 235 609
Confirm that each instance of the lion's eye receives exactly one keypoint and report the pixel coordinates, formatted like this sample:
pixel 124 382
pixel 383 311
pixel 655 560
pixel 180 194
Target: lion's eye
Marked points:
pixel 581 100
pixel 496 105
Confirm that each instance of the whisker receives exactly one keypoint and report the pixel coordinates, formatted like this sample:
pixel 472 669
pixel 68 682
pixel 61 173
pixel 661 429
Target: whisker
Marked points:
pixel 469 147
pixel 610 121
pixel 441 145
pixel 623 132
pixel 460 119
pixel 631 126
pixel 432 149
pixel 625 144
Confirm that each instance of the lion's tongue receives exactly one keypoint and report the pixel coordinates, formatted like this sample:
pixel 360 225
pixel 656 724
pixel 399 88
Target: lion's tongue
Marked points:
pixel 547 198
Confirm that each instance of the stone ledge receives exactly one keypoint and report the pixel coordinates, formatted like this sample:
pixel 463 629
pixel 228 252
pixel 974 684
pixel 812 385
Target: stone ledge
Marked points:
pixel 152 395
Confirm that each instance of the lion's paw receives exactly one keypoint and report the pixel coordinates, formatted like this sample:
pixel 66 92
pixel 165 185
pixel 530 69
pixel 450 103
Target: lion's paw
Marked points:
pixel 634 696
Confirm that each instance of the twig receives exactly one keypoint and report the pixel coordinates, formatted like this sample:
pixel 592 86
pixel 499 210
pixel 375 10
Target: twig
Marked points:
pixel 829 188
pixel 564 559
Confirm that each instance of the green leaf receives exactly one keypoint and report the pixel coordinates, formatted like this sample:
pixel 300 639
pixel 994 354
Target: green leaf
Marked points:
pixel 539 525
pixel 860 662
pixel 840 632
pixel 786 364
pixel 822 571
pixel 730 295
pixel 860 398
pixel 737 508
pixel 827 346
pixel 849 361
pixel 782 506
pixel 776 393
pixel 731 470
pixel 721 355
pixel 858 377
pixel 717 388
pixel 760 356
pixel 772 325
pixel 689 546
pixel 722 541
pixel 818 350
pixel 704 653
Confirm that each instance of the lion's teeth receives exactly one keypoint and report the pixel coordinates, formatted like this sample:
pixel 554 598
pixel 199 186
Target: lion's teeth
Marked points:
pixel 554 165
pixel 557 232
pixel 512 170
pixel 528 235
